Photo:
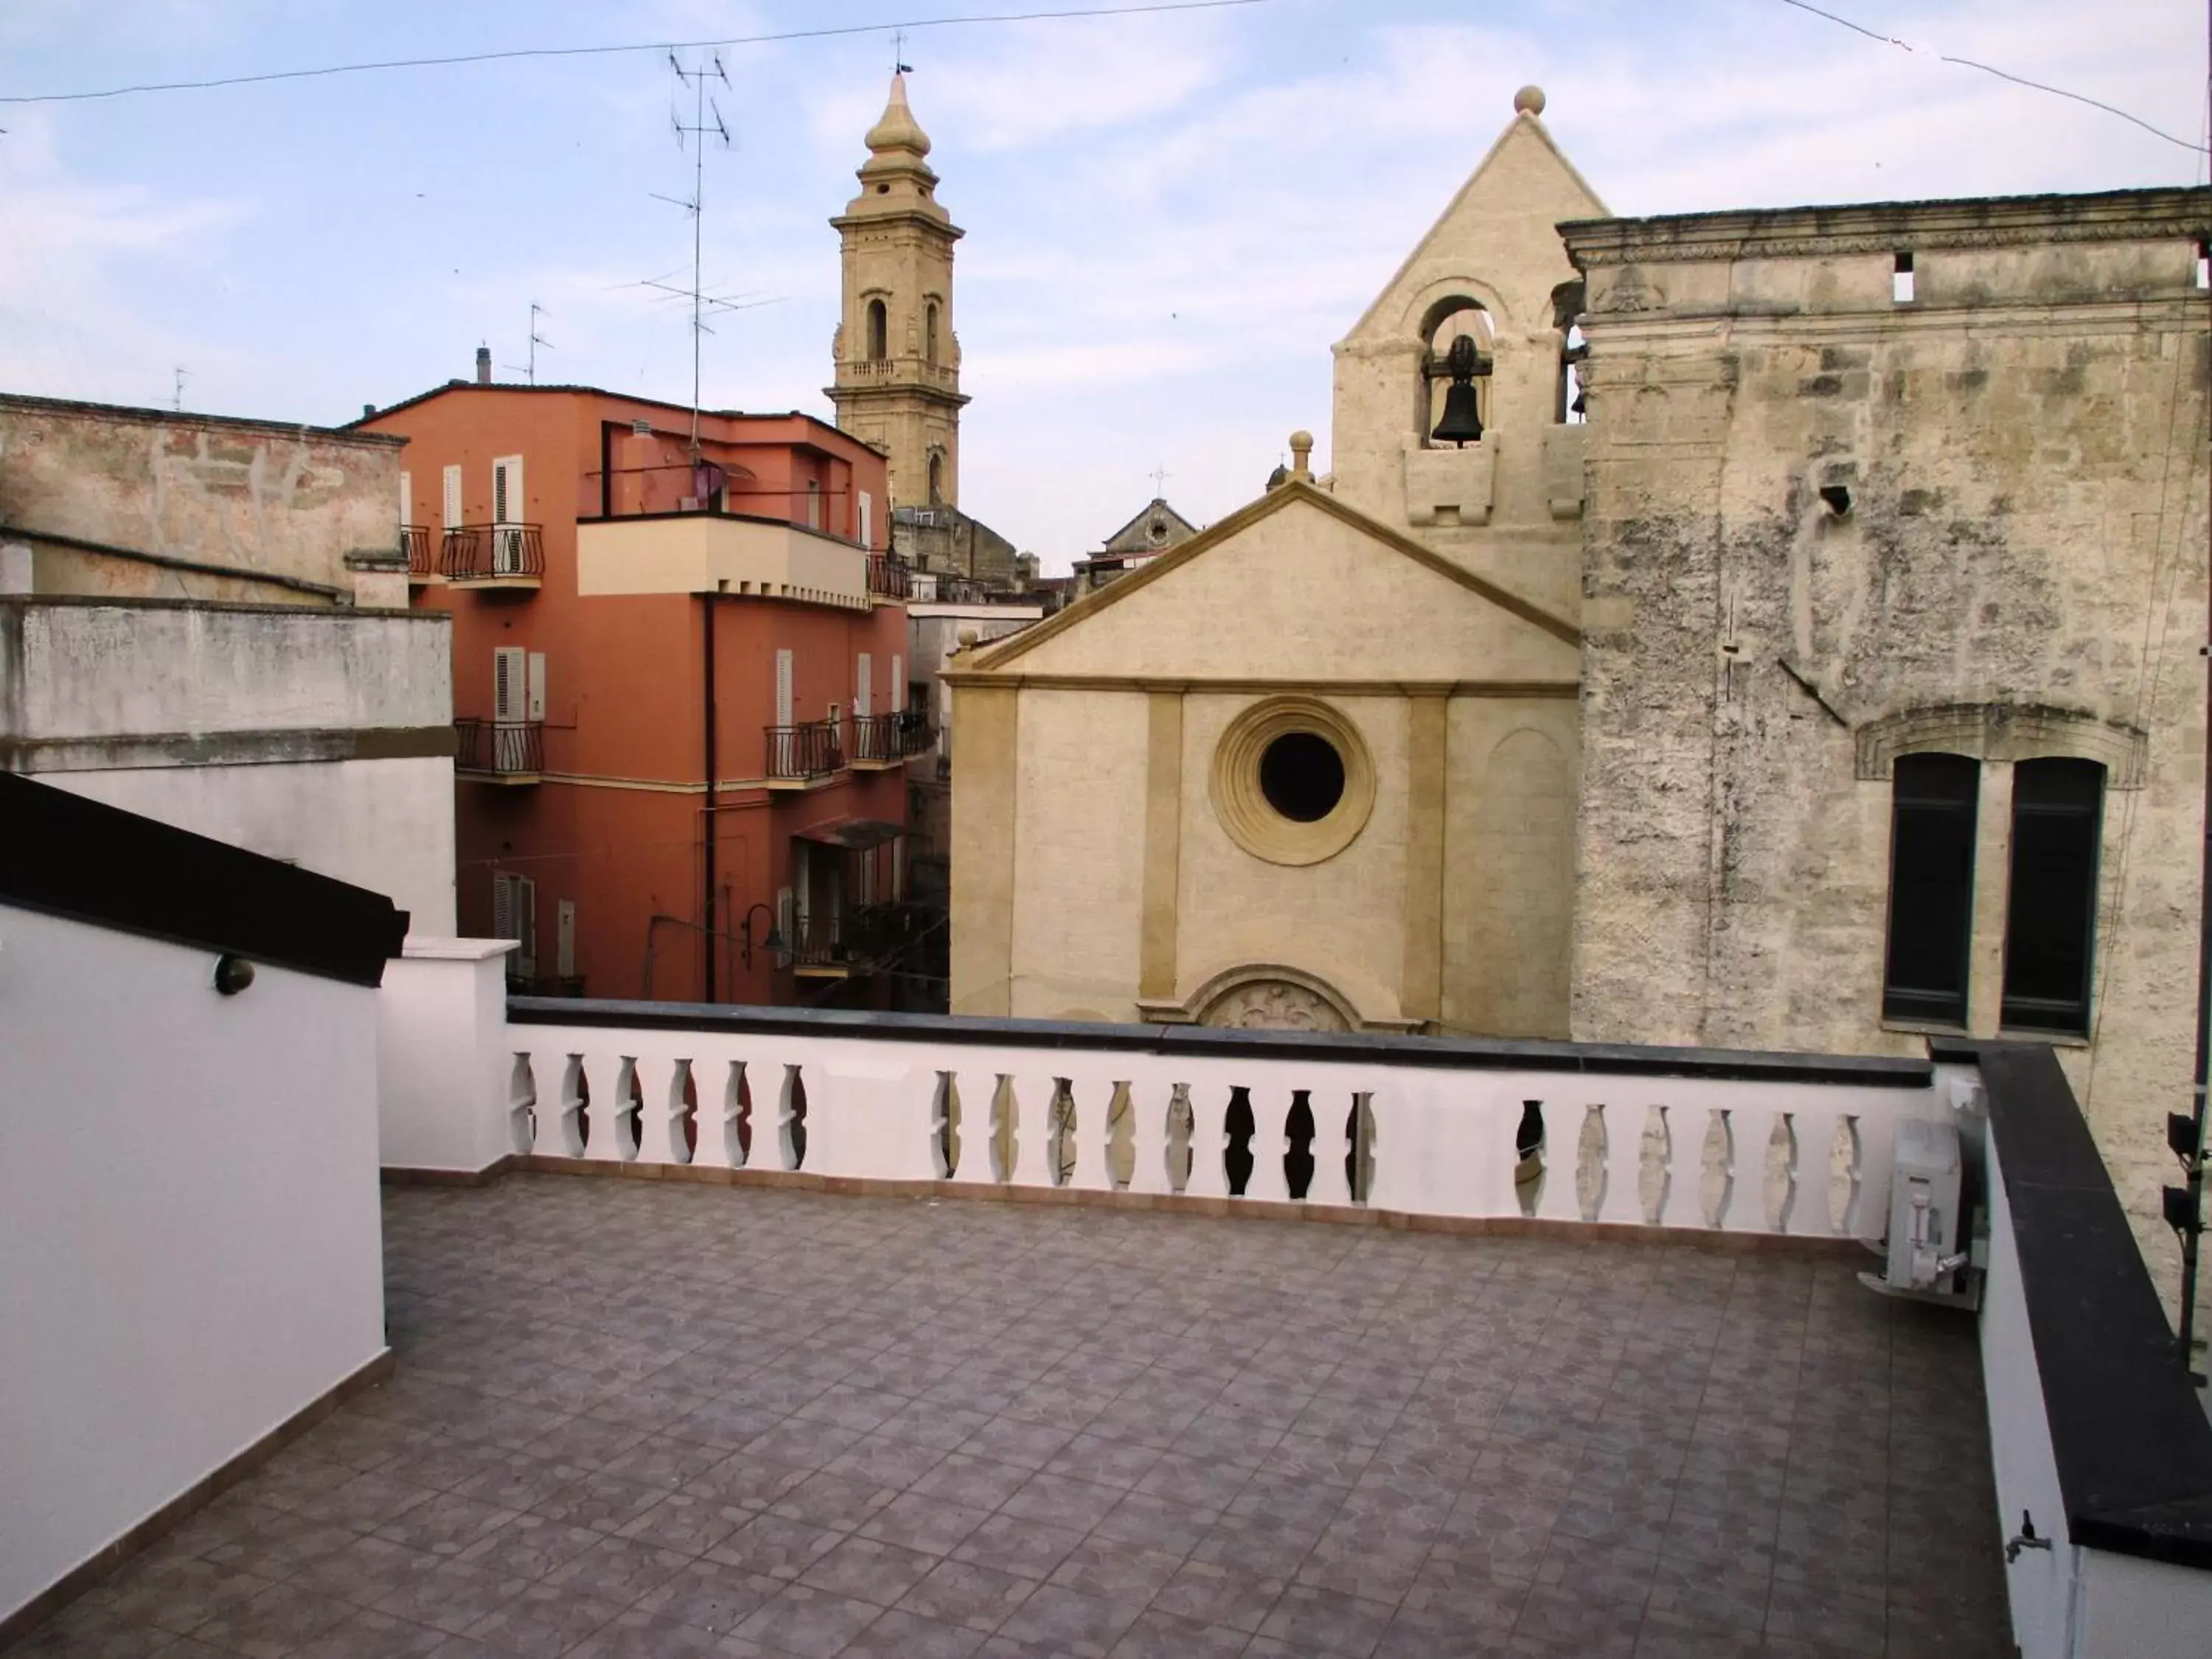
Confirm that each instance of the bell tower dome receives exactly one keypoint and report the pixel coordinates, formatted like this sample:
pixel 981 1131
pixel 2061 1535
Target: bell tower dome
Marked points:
pixel 895 359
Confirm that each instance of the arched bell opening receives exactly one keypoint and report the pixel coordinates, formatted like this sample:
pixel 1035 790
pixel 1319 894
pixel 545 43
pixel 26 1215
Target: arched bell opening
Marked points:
pixel 1455 407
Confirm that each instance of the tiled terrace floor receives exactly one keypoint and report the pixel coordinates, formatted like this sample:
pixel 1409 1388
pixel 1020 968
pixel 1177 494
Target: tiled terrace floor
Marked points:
pixel 637 1419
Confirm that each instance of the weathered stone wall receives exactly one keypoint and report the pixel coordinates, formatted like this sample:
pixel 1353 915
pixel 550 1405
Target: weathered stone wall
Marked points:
pixel 2023 444
pixel 251 497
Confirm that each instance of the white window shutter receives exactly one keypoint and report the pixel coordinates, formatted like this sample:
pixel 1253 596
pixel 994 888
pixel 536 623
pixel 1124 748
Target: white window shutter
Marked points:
pixel 452 505
pixel 507 498
pixel 867 519
pixel 863 687
pixel 565 942
pixel 783 912
pixel 897 690
pixel 783 688
pixel 814 504
pixel 509 668
pixel 503 906
pixel 537 678
pixel 406 499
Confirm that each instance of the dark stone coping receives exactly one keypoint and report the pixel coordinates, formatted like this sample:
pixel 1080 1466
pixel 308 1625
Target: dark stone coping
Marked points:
pixel 2133 1446
pixel 69 856
pixel 1332 1047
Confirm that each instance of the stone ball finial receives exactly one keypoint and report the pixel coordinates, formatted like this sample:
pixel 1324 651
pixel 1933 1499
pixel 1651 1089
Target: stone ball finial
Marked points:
pixel 968 636
pixel 1301 454
pixel 1529 101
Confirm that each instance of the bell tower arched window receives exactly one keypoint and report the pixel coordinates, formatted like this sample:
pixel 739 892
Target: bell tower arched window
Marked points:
pixel 929 335
pixel 936 477
pixel 879 331
pixel 1449 320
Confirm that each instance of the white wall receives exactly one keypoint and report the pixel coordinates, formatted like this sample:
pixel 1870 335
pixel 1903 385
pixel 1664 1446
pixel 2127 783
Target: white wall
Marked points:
pixel 443 1065
pixel 2041 1584
pixel 387 825
pixel 190 1237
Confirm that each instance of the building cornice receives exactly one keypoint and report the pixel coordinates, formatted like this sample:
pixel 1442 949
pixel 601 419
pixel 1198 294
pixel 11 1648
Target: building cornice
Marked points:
pixel 2127 215
pixel 1243 685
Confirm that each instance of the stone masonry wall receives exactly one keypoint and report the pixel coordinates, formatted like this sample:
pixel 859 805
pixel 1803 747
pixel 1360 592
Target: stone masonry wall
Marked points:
pixel 2023 445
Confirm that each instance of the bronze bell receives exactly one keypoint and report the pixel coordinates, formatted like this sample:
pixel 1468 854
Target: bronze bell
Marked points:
pixel 1462 422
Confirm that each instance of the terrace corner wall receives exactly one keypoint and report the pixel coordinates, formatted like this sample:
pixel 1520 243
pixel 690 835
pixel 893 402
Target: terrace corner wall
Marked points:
pixel 194 1242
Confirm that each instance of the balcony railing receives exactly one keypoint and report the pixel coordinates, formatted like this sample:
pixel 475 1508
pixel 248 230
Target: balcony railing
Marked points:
pixel 512 751
pixel 494 553
pixel 890 576
pixel 421 557
pixel 858 940
pixel 802 754
pixel 887 739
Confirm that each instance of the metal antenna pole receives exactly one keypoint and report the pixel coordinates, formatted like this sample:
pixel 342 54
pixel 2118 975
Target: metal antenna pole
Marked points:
pixel 696 133
pixel 177 393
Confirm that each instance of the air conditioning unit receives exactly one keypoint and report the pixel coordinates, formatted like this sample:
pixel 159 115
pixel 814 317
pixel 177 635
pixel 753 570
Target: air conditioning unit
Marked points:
pixel 1931 1254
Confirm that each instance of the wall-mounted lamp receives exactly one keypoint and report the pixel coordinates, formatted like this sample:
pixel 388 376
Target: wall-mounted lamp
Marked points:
pixel 232 974
pixel 772 943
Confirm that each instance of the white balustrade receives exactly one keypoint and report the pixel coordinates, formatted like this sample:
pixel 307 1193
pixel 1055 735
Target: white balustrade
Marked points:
pixel 1691 1152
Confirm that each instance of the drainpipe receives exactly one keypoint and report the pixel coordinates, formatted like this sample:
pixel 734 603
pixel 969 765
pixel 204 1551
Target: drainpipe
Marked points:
pixel 707 889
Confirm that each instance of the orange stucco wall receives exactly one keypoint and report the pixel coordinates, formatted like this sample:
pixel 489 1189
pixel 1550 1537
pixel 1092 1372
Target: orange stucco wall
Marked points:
pixel 618 826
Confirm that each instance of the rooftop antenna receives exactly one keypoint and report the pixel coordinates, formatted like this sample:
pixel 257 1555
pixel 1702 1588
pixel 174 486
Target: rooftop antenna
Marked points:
pixel 696 133
pixel 899 65
pixel 530 367
pixel 177 393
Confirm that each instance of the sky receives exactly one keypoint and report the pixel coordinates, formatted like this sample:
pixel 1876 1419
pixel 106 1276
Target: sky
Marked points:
pixel 1170 218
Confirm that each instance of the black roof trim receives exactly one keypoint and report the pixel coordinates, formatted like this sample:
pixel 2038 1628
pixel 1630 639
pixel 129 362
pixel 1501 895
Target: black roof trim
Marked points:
pixel 2132 1444
pixel 70 856
pixel 1457 1053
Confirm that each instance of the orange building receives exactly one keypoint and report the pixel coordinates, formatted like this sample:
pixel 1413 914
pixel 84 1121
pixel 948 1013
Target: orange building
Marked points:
pixel 680 685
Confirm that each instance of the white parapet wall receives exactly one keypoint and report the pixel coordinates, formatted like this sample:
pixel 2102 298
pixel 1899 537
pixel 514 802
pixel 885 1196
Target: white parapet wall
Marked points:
pixel 442 1017
pixel 1790 1144
pixel 192 1255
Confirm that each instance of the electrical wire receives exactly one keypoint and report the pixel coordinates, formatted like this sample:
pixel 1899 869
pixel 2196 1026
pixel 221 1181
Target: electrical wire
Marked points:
pixel 513 53
pixel 1989 69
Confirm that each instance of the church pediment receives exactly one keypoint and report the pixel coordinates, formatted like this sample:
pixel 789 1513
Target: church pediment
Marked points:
pixel 1297 588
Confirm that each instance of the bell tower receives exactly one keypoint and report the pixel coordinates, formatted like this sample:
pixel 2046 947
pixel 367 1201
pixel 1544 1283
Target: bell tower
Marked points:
pixel 896 360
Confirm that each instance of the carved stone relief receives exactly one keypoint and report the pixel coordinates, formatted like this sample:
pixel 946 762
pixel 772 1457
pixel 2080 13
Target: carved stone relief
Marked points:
pixel 1274 1004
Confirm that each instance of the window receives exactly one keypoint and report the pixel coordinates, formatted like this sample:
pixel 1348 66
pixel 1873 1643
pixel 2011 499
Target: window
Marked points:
pixel 783 688
pixel 814 503
pixel 1900 281
pixel 936 478
pixel 507 489
pixel 1302 776
pixel 1931 888
pixel 867 519
pixel 864 690
pixel 510 671
pixel 1573 408
pixel 452 500
pixel 879 331
pixel 514 915
pixel 2050 917
pixel 929 336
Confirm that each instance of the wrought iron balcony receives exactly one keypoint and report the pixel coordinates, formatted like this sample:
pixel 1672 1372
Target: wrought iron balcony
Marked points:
pixel 502 751
pixel 884 740
pixel 890 576
pixel 421 556
pixel 495 556
pixel 804 754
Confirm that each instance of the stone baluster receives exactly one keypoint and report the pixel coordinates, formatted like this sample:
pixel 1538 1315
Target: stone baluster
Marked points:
pixel 1332 1145
pixel 1209 1142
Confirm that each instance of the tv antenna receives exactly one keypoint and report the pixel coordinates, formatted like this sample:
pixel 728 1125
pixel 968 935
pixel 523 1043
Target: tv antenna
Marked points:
pixel 537 340
pixel 899 65
pixel 177 392
pixel 694 133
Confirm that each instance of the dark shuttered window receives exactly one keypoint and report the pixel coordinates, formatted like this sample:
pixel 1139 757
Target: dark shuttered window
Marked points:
pixel 2051 925
pixel 1931 888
